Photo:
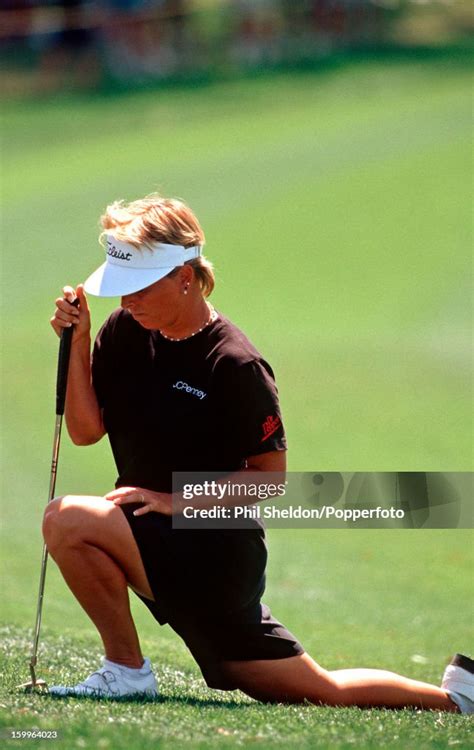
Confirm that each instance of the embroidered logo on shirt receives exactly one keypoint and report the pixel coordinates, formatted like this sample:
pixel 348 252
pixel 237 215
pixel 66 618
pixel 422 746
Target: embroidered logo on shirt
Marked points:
pixel 182 386
pixel 270 426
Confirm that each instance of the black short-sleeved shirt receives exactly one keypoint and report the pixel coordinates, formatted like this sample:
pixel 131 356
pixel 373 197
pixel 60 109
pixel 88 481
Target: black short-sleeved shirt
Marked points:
pixel 206 404
pixel 202 404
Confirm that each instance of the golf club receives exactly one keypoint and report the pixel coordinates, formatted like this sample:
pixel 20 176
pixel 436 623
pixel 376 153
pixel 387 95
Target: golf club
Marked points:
pixel 61 385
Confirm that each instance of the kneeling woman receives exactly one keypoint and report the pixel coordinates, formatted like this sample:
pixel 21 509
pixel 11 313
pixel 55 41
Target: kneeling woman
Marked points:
pixel 178 387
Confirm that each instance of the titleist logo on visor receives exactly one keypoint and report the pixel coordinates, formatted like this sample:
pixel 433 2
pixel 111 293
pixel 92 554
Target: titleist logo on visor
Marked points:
pixel 180 385
pixel 112 250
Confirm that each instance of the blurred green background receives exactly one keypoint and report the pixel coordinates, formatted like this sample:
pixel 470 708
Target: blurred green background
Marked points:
pixel 336 206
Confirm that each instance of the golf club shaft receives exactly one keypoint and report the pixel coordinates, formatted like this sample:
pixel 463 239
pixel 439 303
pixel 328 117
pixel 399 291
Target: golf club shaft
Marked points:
pixel 44 558
pixel 61 387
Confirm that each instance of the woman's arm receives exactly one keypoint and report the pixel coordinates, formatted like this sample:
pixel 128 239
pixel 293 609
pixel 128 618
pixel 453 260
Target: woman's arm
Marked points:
pixel 83 414
pixel 273 464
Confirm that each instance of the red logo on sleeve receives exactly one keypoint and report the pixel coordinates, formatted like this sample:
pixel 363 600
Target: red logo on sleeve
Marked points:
pixel 270 426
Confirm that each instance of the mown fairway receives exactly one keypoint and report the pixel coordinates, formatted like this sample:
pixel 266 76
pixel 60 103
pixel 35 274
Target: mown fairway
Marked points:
pixel 336 212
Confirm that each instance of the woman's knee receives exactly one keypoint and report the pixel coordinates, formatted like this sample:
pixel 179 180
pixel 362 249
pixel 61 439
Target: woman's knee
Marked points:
pixel 293 680
pixel 50 521
pixel 61 522
pixel 320 694
pixel 72 521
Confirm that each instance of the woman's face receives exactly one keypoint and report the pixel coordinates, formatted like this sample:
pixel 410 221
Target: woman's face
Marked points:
pixel 158 305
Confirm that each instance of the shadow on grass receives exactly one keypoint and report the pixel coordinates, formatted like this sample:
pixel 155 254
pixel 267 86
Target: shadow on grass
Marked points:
pixel 159 700
pixel 201 702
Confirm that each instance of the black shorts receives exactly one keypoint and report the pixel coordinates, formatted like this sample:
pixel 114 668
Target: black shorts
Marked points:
pixel 207 584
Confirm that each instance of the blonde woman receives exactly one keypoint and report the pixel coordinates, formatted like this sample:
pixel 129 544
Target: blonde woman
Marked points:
pixel 176 386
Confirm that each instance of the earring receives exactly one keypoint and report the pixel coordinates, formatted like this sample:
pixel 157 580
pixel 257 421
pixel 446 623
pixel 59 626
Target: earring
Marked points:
pixel 186 289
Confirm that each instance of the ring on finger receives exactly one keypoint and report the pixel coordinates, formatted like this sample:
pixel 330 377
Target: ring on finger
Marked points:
pixel 141 498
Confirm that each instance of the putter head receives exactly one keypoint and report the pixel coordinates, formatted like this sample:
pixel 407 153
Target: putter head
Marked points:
pixel 30 687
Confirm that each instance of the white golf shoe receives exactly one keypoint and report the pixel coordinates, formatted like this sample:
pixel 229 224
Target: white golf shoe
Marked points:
pixel 458 681
pixel 113 681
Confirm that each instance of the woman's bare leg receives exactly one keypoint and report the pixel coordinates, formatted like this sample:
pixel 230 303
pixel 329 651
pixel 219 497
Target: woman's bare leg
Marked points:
pixel 299 678
pixel 93 545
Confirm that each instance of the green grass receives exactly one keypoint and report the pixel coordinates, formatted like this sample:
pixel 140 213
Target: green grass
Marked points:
pixel 399 607
pixel 336 211
pixel 187 715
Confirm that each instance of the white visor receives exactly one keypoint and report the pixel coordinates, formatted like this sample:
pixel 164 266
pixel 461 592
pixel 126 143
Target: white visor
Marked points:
pixel 128 269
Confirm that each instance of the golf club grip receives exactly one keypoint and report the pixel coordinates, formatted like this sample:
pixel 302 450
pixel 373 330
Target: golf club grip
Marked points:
pixel 63 365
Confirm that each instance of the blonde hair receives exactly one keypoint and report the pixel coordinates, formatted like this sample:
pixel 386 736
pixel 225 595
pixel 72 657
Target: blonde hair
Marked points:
pixel 158 219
